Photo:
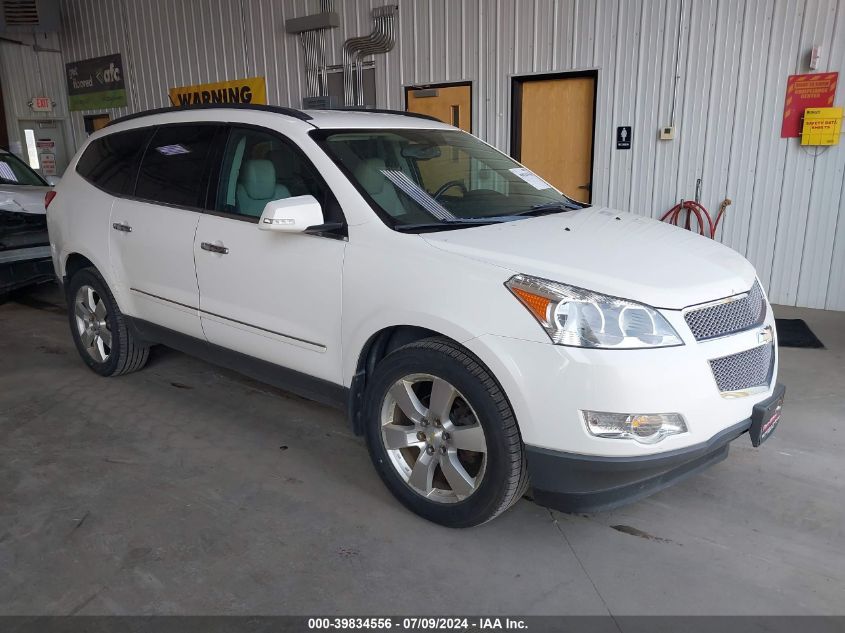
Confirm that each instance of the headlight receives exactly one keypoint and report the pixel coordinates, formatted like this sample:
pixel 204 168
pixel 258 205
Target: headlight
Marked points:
pixel 582 318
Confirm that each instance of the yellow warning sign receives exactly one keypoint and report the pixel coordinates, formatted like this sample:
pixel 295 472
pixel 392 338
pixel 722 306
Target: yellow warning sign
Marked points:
pixel 249 90
pixel 821 126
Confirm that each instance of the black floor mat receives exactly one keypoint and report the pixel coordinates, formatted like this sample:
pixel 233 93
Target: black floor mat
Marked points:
pixel 795 333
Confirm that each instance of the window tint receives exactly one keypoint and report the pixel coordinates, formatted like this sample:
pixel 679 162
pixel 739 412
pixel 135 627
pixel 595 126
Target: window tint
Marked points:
pixel 259 167
pixel 173 168
pixel 111 162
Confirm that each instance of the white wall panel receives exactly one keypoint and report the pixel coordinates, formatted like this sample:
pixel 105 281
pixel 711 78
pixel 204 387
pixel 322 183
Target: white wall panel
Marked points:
pixel 26 74
pixel 667 153
pixel 801 166
pixel 721 102
pixel 826 204
pixel 822 282
pixel 788 211
pixel 766 199
pixel 748 123
pixel 646 118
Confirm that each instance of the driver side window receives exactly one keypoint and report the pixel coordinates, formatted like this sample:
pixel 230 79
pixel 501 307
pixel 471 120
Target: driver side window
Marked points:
pixel 259 167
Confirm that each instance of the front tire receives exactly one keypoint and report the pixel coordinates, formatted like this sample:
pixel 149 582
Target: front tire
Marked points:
pixel 99 328
pixel 442 435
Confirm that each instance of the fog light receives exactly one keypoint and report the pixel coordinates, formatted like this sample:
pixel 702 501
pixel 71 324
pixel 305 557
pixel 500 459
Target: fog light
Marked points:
pixel 646 428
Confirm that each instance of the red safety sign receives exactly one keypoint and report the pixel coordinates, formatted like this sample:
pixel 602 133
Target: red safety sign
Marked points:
pixel 815 90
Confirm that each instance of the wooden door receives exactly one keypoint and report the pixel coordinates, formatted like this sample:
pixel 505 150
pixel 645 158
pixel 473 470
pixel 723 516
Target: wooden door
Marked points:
pixel 554 121
pixel 450 104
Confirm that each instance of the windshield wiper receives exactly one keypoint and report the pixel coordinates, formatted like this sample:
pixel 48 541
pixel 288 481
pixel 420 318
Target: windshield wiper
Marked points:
pixel 545 207
pixel 445 225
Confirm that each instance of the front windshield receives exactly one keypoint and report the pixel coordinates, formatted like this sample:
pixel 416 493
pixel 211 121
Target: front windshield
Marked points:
pixel 13 171
pixel 440 178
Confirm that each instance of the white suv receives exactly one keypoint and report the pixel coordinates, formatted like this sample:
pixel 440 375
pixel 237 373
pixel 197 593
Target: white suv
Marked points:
pixel 481 329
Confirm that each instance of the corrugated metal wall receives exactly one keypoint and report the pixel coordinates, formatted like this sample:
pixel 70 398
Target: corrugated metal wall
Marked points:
pixel 25 74
pixel 734 60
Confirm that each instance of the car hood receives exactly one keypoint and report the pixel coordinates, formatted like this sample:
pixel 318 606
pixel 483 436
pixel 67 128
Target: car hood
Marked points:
pixel 23 199
pixel 619 254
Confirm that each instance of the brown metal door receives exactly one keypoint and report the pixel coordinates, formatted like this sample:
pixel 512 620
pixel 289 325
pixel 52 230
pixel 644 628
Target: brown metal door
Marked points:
pixel 450 104
pixel 555 131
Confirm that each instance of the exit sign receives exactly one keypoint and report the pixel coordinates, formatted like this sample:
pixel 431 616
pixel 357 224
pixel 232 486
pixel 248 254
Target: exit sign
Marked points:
pixel 42 104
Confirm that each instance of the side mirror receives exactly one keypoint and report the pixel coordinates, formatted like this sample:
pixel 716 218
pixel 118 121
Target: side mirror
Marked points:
pixel 53 180
pixel 291 215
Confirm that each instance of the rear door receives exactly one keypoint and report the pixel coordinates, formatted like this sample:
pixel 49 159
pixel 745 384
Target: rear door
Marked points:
pixel 152 232
pixel 270 295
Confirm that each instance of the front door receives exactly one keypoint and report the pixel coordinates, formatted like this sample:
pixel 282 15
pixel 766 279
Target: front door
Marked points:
pixel 152 233
pixel 553 130
pixel 43 146
pixel 269 295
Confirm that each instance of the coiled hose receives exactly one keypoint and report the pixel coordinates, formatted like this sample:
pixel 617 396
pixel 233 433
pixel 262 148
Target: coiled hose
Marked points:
pixel 693 208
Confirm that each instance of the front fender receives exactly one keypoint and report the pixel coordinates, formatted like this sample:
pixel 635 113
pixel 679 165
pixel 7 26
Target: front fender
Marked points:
pixel 358 337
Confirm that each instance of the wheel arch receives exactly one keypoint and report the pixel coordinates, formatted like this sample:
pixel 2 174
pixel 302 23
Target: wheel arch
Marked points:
pixel 378 346
pixel 75 262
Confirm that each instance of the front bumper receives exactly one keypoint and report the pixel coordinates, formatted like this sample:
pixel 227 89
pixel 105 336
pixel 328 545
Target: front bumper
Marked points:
pixel 588 483
pixel 549 386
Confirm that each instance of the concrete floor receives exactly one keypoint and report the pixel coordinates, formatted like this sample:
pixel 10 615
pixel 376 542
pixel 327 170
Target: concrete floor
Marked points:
pixel 187 489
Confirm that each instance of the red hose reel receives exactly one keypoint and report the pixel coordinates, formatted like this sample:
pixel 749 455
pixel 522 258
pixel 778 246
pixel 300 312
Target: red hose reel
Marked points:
pixel 706 224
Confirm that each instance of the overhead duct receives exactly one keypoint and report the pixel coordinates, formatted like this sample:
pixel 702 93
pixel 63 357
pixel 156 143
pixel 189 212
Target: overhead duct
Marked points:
pixel 381 40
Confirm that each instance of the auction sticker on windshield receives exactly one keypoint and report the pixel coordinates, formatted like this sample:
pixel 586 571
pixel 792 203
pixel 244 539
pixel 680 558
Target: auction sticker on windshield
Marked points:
pixel 530 177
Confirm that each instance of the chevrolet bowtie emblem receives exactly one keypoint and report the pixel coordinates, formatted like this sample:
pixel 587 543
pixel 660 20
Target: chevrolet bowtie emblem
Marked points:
pixel 765 335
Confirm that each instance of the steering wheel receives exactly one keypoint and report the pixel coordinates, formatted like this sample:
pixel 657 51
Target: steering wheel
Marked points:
pixel 448 185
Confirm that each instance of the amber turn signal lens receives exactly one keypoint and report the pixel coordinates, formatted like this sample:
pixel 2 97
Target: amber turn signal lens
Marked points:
pixel 539 306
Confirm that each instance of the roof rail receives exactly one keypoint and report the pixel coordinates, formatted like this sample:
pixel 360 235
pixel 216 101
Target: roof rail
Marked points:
pixel 291 112
pixel 416 115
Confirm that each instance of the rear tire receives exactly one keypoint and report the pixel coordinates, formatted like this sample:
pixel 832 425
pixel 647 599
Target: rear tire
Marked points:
pixel 99 328
pixel 442 435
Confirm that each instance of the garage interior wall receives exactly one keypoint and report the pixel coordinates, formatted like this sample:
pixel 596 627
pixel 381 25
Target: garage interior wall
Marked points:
pixel 788 211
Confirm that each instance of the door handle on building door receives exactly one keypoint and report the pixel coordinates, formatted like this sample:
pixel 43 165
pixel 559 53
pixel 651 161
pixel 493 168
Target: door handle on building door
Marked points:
pixel 588 186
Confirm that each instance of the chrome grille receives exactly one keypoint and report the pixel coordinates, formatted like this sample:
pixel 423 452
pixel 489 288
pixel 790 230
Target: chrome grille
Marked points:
pixel 729 316
pixel 751 368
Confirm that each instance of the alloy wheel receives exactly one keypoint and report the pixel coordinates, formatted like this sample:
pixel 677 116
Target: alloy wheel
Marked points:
pixel 433 438
pixel 91 316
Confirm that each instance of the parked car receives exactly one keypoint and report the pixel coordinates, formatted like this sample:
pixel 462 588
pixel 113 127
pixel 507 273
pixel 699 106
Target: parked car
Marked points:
pixel 24 245
pixel 483 331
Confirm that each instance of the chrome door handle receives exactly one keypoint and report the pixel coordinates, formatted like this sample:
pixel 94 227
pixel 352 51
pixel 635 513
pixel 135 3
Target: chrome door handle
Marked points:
pixel 214 248
pixel 120 226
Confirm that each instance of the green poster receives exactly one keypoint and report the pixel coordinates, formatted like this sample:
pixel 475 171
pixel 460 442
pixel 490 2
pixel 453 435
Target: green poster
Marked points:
pixel 96 84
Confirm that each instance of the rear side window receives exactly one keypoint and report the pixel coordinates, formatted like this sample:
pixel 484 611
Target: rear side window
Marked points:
pixel 173 170
pixel 111 162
